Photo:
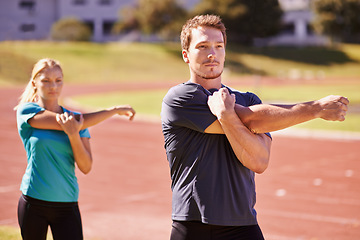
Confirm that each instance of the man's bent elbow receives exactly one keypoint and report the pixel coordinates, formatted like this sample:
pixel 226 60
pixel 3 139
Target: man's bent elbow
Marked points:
pixel 260 169
pixel 254 126
pixel 260 165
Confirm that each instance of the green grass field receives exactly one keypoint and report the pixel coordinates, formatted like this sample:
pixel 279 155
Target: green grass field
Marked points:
pixel 9 233
pixel 13 233
pixel 90 63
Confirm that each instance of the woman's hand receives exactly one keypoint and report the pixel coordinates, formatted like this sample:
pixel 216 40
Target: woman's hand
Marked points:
pixel 125 110
pixel 70 123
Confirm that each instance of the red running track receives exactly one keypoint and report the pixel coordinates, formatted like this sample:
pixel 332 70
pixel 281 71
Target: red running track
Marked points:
pixel 309 192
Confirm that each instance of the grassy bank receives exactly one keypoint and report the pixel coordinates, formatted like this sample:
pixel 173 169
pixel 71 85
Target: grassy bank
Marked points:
pixel 13 233
pixel 92 62
pixel 127 62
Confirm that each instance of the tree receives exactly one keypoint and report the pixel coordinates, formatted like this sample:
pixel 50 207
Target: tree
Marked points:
pixel 151 16
pixel 338 19
pixel 70 29
pixel 245 19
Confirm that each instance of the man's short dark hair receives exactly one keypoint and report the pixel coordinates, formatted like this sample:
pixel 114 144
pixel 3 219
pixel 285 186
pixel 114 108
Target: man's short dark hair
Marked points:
pixel 200 21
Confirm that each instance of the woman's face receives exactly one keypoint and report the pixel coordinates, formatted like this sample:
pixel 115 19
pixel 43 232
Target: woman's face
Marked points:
pixel 49 84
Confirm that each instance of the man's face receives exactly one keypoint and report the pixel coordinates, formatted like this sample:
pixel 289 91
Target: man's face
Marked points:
pixel 206 54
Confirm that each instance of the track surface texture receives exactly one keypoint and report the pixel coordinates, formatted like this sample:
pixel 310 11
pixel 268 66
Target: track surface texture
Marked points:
pixel 309 192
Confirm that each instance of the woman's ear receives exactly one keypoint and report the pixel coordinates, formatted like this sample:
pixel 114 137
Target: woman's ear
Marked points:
pixel 185 56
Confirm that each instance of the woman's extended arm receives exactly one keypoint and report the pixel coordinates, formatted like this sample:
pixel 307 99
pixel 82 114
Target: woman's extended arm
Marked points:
pixel 47 119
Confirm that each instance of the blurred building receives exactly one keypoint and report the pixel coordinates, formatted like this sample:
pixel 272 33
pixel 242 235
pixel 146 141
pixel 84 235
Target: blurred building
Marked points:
pixel 296 28
pixel 25 20
pixel 32 19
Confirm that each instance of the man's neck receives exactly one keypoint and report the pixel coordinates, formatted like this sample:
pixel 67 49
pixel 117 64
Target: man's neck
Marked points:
pixel 207 83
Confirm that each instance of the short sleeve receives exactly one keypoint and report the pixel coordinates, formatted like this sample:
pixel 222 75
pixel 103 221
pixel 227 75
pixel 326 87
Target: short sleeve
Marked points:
pixel 84 133
pixel 185 105
pixel 247 99
pixel 25 112
pixel 253 99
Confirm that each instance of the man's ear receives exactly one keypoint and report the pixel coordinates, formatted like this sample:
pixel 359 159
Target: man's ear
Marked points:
pixel 185 56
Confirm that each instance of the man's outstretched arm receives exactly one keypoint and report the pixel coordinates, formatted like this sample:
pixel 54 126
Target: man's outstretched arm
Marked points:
pixel 270 117
pixel 263 118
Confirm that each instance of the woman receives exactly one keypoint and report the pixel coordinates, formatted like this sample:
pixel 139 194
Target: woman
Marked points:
pixel 54 139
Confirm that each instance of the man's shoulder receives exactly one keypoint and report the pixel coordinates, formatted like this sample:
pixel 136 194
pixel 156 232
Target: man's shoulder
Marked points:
pixel 245 98
pixel 236 91
pixel 185 92
pixel 184 87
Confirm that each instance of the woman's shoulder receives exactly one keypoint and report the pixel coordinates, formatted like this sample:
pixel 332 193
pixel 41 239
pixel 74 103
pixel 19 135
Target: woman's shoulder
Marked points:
pixel 29 107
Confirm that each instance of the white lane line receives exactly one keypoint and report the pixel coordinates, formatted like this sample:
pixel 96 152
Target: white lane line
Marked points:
pixel 312 217
pixel 10 188
pixel 139 197
pixel 279 237
pixel 318 134
pixel 7 221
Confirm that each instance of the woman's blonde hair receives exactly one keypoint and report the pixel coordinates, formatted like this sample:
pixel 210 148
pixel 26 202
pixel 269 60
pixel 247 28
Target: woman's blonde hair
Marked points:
pixel 29 94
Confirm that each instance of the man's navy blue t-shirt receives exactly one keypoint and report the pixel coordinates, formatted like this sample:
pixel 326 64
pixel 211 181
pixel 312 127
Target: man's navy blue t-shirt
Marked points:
pixel 209 183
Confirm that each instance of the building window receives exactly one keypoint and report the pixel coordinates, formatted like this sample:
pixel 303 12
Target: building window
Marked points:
pixel 28 5
pixel 79 2
pixel 105 2
pixel 27 27
pixel 288 29
pixel 107 27
pixel 90 24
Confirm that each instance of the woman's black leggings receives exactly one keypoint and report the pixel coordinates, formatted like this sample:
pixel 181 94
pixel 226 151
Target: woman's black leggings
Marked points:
pixel 35 216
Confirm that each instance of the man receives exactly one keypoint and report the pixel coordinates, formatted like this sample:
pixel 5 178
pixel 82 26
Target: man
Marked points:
pixel 216 140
